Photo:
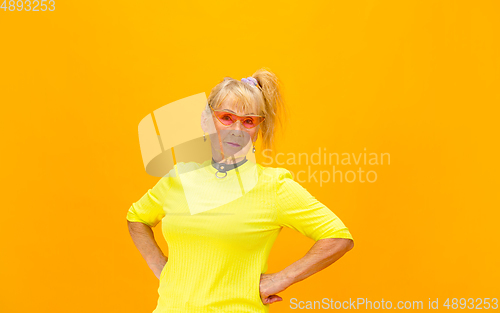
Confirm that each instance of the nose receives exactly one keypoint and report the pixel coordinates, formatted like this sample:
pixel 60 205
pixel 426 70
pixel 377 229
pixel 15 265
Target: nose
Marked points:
pixel 238 125
pixel 238 129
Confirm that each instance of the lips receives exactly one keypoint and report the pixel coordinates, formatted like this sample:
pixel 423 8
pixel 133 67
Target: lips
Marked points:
pixel 232 144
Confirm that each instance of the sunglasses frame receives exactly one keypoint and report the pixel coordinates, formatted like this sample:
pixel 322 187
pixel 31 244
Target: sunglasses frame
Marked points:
pixel 240 116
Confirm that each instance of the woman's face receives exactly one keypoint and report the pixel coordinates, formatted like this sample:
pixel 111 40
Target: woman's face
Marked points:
pixel 235 139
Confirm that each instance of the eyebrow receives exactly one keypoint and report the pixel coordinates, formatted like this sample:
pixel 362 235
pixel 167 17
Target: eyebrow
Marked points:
pixel 237 114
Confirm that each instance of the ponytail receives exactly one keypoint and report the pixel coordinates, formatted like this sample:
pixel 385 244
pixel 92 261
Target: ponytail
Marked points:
pixel 274 106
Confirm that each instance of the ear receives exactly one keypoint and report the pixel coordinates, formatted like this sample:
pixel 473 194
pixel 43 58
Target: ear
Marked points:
pixel 204 120
pixel 256 135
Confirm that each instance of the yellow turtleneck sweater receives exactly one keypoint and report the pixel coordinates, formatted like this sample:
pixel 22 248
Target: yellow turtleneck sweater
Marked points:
pixel 220 232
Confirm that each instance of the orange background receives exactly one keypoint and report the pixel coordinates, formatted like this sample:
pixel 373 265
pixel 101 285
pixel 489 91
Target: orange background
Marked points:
pixel 416 79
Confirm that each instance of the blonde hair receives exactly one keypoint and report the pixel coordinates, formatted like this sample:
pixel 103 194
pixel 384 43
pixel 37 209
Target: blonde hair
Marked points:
pixel 267 97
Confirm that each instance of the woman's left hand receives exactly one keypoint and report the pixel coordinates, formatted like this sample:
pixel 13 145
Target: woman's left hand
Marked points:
pixel 270 285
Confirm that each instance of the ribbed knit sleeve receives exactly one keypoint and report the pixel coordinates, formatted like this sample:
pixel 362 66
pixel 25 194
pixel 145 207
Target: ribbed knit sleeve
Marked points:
pixel 299 210
pixel 149 209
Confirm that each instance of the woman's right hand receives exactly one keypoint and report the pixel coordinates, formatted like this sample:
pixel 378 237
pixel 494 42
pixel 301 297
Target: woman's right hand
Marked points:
pixel 144 240
pixel 157 268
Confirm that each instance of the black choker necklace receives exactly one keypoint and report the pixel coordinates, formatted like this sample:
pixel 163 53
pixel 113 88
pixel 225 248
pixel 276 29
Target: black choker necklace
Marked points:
pixel 224 168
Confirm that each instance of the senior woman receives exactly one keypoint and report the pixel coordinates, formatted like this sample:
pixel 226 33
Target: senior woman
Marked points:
pixel 220 218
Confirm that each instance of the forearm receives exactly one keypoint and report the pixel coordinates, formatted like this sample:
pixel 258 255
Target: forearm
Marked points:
pixel 143 238
pixel 322 254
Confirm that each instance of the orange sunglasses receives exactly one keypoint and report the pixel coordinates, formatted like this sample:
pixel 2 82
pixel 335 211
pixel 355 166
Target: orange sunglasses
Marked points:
pixel 228 119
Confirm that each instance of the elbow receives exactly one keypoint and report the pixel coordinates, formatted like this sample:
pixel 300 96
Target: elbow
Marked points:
pixel 349 245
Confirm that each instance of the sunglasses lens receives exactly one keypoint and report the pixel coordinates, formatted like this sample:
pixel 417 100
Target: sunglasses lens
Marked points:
pixel 225 118
pixel 251 122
